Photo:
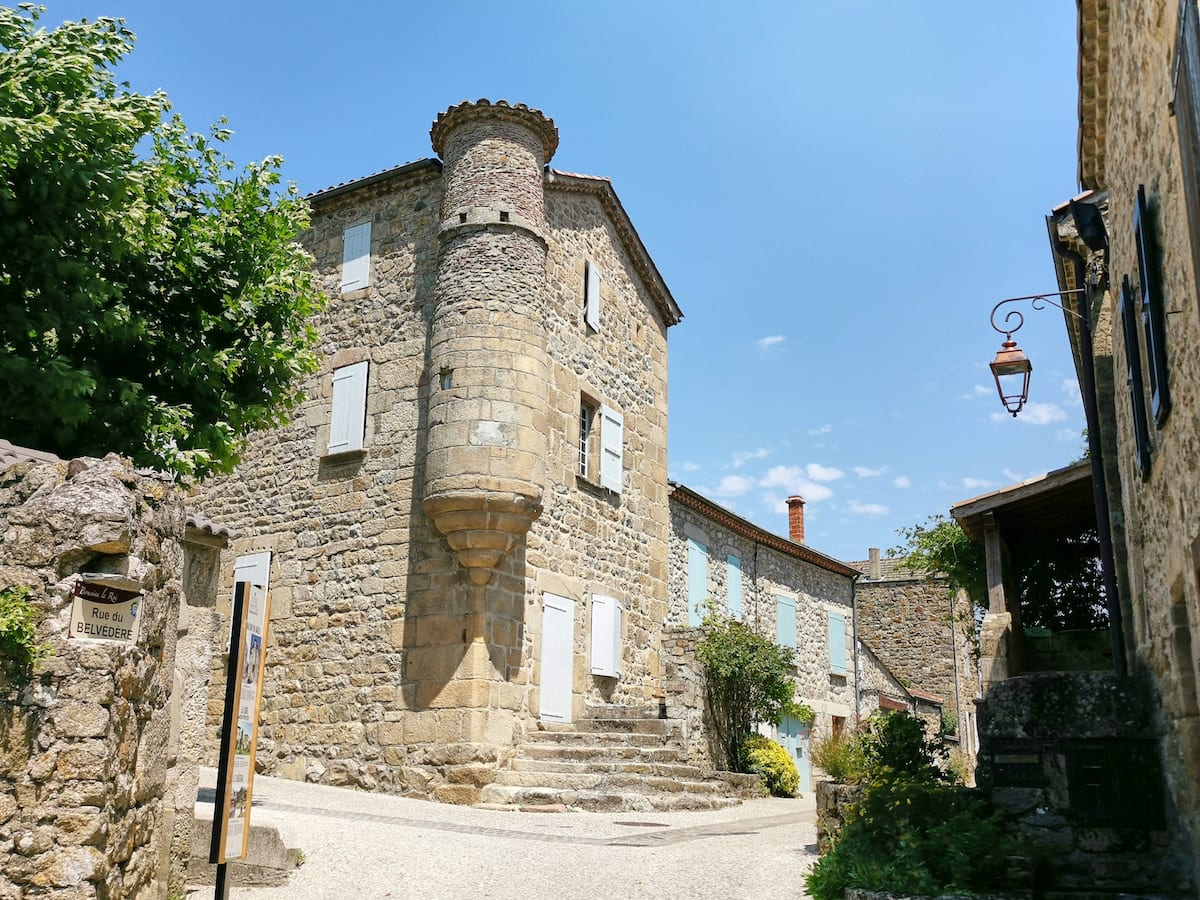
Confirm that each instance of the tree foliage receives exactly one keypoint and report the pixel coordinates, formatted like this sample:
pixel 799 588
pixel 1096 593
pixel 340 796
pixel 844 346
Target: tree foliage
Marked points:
pixel 747 680
pixel 154 300
pixel 939 545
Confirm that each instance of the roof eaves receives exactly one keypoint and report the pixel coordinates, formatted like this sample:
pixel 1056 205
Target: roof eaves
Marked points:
pixel 420 166
pixel 748 529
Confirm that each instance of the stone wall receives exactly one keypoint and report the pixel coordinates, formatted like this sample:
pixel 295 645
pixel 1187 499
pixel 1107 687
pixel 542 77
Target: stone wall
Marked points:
pixel 1128 94
pixel 767 571
pixel 84 741
pixel 683 688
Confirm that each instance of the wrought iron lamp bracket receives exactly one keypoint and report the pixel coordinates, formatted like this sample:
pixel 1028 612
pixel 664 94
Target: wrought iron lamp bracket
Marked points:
pixel 1037 301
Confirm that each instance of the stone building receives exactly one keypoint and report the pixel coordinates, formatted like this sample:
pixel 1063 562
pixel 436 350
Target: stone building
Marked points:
pixel 467 525
pixel 1129 246
pixel 924 633
pixel 786 589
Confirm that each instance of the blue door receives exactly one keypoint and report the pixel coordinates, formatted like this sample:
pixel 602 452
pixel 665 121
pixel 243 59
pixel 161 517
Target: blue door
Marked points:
pixel 793 735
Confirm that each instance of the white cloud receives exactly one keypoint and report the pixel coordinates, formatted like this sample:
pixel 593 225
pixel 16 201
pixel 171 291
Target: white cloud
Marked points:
pixel 1013 476
pixel 824 429
pixel 1070 389
pixel 744 456
pixel 902 481
pixel 866 509
pixel 733 486
pixel 865 472
pixel 1066 434
pixel 818 472
pixel 983 390
pixel 1035 413
pixel 690 467
pixel 792 480
pixel 977 484
pixel 771 340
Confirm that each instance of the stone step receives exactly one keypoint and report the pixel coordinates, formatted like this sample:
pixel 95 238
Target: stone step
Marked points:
pixel 612 782
pixel 268 860
pixel 613 711
pixel 601 801
pixel 615 738
pixel 629 726
pixel 630 767
pixel 600 753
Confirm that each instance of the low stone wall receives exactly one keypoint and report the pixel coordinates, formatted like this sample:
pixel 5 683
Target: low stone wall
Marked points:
pixel 1072 757
pixel 683 685
pixel 832 800
pixel 84 740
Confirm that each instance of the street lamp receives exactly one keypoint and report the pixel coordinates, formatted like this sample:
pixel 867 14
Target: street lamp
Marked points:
pixel 1011 367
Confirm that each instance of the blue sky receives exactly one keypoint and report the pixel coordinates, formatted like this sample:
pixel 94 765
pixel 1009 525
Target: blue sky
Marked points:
pixel 836 193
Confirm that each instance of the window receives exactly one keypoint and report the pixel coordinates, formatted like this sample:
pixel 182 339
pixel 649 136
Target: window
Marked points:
pixel 606 636
pixel 837 726
pixel 1133 362
pixel 1152 309
pixel 1187 116
pixel 591 295
pixel 785 621
pixel 733 585
pixel 587 420
pixel 612 441
pixel 697 581
pixel 356 257
pixel 837 643
pixel 347 422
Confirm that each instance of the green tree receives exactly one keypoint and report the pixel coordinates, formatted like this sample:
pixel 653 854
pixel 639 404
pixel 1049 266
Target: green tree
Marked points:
pixel 939 545
pixel 154 300
pixel 747 679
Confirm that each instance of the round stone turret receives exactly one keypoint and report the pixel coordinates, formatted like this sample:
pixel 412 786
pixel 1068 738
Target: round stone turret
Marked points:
pixel 485 467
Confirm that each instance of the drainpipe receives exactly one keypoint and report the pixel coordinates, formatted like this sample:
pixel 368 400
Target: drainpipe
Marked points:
pixel 1092 414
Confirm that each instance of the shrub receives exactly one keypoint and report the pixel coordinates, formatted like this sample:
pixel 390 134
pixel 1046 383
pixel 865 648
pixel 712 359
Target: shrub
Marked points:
pixel 767 759
pixel 840 757
pixel 949 721
pixel 747 679
pixel 914 836
pixel 894 746
pixel 19 649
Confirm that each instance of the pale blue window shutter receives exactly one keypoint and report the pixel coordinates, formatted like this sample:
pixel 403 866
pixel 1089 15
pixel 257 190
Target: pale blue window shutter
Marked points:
pixel 697 581
pixel 785 621
pixel 591 295
pixel 606 636
pixel 733 584
pixel 837 643
pixel 349 417
pixel 612 439
pixel 356 257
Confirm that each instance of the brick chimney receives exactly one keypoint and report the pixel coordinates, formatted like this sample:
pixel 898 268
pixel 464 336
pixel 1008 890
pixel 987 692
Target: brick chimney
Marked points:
pixel 796 518
pixel 874 566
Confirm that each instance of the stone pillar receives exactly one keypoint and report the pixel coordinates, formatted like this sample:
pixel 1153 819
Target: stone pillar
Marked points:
pixel 485 466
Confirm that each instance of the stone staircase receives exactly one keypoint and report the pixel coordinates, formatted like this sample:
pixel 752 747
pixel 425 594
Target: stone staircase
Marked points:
pixel 615 759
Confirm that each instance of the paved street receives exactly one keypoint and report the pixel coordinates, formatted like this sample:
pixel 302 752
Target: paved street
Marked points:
pixel 372 846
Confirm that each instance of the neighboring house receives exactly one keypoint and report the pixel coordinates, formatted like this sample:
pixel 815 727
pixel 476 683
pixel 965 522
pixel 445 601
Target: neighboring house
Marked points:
pixel 1139 157
pixel 924 633
pixel 467 527
pixel 784 588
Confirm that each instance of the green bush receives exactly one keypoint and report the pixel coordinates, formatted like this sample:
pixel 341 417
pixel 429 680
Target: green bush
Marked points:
pixel 765 758
pixel 840 757
pixel 747 680
pixel 914 836
pixel 894 746
pixel 19 649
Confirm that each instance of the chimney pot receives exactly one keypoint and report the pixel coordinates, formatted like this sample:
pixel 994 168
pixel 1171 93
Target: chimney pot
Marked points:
pixel 796 518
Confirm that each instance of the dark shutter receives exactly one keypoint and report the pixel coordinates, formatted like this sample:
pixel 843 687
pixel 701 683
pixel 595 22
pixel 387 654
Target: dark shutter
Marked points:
pixel 1187 118
pixel 1137 394
pixel 1153 320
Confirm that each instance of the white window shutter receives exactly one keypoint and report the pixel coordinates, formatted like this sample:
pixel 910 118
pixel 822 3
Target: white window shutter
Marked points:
pixel 612 440
pixel 606 636
pixel 591 296
pixel 356 257
pixel 349 418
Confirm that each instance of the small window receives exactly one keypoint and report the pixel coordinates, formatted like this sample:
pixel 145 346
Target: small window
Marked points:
pixel 837 726
pixel 733 585
pixel 606 636
pixel 785 621
pixel 348 419
pixel 591 295
pixel 1153 318
pixel 697 581
pixel 446 379
pixel 356 257
pixel 1133 379
pixel 837 643
pixel 587 436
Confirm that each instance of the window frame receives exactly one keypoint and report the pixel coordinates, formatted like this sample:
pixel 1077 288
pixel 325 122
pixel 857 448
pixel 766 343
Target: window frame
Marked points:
pixel 348 396
pixel 356 261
